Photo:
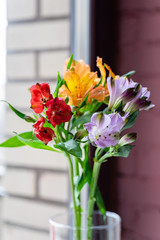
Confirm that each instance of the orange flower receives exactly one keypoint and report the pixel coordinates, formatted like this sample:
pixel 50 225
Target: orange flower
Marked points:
pixel 103 73
pixel 81 81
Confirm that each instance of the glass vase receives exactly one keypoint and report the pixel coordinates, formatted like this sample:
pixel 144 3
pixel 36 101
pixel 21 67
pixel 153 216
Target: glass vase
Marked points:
pixel 103 228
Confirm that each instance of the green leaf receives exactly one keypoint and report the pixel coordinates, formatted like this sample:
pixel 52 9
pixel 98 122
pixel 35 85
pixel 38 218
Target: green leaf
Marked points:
pixel 15 142
pixel 129 74
pixel 35 143
pixel 20 114
pixel 70 62
pixel 82 181
pixel 86 177
pixel 100 202
pixel 59 77
pixel 49 125
pixel 71 147
pixel 98 83
pixel 84 101
pixel 60 82
pixel 81 120
pixel 66 100
pixel 131 120
pixel 124 151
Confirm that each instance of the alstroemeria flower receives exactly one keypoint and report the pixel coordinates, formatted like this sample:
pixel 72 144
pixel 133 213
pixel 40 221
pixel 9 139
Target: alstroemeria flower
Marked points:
pixel 117 87
pixel 134 96
pixel 45 134
pixel 140 102
pixel 81 81
pixel 40 94
pixel 104 130
pixel 58 111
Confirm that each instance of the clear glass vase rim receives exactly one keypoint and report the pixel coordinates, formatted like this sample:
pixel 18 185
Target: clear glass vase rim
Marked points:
pixel 108 214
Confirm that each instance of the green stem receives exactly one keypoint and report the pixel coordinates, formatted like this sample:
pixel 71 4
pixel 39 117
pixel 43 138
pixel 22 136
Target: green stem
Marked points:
pixel 76 164
pixel 92 198
pixel 71 175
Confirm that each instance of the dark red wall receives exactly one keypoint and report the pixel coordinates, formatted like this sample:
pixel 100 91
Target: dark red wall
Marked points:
pixel 138 180
pixel 126 33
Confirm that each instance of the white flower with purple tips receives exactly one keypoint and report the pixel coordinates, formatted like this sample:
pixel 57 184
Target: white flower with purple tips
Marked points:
pixel 104 130
pixel 116 87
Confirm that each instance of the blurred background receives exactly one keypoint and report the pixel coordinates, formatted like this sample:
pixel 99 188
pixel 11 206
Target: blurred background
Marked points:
pixel 36 36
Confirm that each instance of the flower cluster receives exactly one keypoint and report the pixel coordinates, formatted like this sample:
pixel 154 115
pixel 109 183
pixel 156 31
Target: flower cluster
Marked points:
pixel 84 108
pixel 83 87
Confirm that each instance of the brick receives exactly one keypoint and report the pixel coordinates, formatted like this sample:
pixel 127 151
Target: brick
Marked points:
pixel 128 27
pixel 15 233
pixel 48 34
pixel 128 165
pixel 139 57
pixel 148 163
pixel 54 186
pixel 148 223
pixel 55 8
pixel 148 26
pixel 14 123
pixel 30 213
pixel 127 215
pixel 18 95
pixel 139 191
pixel 138 5
pixel 21 182
pixel 21 66
pixel 133 236
pixel 21 9
pixel 148 132
pixel 52 62
pixel 29 157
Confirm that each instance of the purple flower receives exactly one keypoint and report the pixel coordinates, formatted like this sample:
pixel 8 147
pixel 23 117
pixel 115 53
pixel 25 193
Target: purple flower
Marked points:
pixel 104 130
pixel 116 88
pixel 134 96
pixel 140 102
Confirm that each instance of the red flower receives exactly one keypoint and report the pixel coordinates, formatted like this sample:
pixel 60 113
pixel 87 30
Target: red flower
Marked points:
pixel 45 134
pixel 58 111
pixel 40 94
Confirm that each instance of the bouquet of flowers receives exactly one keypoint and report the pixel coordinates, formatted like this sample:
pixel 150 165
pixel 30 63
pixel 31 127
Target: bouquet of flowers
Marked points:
pixel 69 120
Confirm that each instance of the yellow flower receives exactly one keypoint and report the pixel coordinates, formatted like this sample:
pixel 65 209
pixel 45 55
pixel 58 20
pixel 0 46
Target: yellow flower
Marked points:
pixel 81 81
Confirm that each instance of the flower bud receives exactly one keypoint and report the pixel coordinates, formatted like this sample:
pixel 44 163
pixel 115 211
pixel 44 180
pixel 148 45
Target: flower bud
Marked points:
pixel 127 139
pixel 81 134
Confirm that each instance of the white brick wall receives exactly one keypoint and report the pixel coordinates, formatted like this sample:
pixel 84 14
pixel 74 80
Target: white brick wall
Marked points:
pixel 53 186
pixel 16 124
pixel 29 157
pixel 51 62
pixel 54 7
pixel 21 66
pixel 23 182
pixel 18 95
pixel 38 42
pixel 21 9
pixel 30 213
pixel 15 233
pixel 39 35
